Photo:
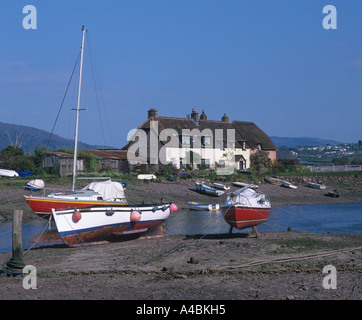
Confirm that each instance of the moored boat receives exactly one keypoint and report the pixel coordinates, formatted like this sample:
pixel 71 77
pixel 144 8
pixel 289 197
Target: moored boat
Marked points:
pixel 220 186
pixel 203 188
pixel 103 193
pixel 287 184
pixel 8 173
pixel 99 211
pixel 146 177
pixel 35 185
pixel 333 193
pixel 203 206
pixel 275 181
pixel 246 208
pixel 316 185
pixel 244 184
pixel 111 223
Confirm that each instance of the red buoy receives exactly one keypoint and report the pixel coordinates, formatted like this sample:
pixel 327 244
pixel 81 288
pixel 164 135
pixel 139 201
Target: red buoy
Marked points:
pixel 173 207
pixel 135 216
pixel 76 216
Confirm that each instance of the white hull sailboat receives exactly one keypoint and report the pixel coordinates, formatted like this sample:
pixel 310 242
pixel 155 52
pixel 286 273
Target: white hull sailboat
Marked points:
pixel 100 210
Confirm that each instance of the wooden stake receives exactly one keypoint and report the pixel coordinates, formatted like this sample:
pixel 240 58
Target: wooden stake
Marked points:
pixel 256 231
pixel 16 263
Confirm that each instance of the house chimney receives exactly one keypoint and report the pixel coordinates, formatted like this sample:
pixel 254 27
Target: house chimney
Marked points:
pixel 152 113
pixel 225 118
pixel 203 115
pixel 194 115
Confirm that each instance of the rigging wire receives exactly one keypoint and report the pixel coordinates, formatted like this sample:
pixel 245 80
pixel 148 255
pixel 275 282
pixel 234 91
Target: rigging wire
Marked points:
pixel 61 105
pixel 93 68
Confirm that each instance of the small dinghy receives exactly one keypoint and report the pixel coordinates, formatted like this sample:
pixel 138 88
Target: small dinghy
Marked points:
pixel 220 186
pixel 203 188
pixel 203 206
pixel 35 185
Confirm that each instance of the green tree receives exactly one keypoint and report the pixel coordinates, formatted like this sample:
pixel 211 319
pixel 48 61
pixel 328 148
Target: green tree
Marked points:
pixel 260 159
pixel 340 161
pixel 356 160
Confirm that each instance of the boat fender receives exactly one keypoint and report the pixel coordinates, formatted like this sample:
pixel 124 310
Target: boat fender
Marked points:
pixel 164 208
pixel 135 216
pixel 173 207
pixel 76 216
pixel 109 213
pixel 154 209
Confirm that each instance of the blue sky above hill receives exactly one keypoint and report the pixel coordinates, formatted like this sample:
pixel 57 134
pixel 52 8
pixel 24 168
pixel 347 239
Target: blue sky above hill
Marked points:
pixel 270 62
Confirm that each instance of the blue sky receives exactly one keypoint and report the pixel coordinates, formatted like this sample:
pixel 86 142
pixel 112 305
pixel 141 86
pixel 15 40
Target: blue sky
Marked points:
pixel 269 62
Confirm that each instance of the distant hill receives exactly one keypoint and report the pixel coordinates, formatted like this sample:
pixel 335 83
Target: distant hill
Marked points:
pixel 304 141
pixel 29 138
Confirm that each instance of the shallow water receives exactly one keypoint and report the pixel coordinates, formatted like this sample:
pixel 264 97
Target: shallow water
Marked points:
pixel 332 218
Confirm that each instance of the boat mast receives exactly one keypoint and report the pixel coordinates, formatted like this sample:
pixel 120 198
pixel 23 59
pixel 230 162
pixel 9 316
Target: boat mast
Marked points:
pixel 78 110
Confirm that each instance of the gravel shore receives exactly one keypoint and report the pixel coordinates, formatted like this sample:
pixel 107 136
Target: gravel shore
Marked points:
pixel 275 266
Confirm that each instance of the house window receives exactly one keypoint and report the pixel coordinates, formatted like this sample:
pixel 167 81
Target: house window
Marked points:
pixel 186 141
pixel 205 163
pixel 205 142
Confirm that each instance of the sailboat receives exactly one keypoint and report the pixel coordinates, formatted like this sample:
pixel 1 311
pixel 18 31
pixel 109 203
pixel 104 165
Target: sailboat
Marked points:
pixel 246 208
pixel 99 211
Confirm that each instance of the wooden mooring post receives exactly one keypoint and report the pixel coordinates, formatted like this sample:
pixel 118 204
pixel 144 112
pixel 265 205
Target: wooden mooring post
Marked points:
pixel 15 265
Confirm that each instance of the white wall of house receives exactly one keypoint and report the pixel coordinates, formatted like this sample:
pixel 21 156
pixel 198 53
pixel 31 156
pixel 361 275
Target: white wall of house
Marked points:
pixel 209 156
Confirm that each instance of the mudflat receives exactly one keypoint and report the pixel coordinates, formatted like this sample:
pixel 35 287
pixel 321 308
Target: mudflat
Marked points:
pixel 274 266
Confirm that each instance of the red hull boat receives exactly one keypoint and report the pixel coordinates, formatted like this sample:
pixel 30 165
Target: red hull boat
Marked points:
pixel 96 194
pixel 242 217
pixel 246 208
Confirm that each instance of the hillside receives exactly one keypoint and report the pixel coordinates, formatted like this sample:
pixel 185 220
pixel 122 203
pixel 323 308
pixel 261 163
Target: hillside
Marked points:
pixel 303 141
pixel 29 138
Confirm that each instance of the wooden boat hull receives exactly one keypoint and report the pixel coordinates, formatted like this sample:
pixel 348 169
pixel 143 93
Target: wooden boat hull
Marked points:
pixel 275 181
pixel 242 217
pixel 110 223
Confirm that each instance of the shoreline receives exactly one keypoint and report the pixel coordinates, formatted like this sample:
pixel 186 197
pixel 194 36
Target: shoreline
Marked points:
pixel 182 191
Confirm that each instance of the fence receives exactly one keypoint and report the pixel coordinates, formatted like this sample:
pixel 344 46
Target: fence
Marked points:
pixel 333 168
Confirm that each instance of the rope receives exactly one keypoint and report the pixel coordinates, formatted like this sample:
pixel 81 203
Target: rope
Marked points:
pixel 48 223
pixel 283 260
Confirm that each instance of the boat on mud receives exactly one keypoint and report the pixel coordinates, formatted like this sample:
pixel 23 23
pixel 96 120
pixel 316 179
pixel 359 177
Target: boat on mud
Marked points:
pixel 316 185
pixel 99 211
pixel 246 208
pixel 220 186
pixel 111 223
pixel 205 189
